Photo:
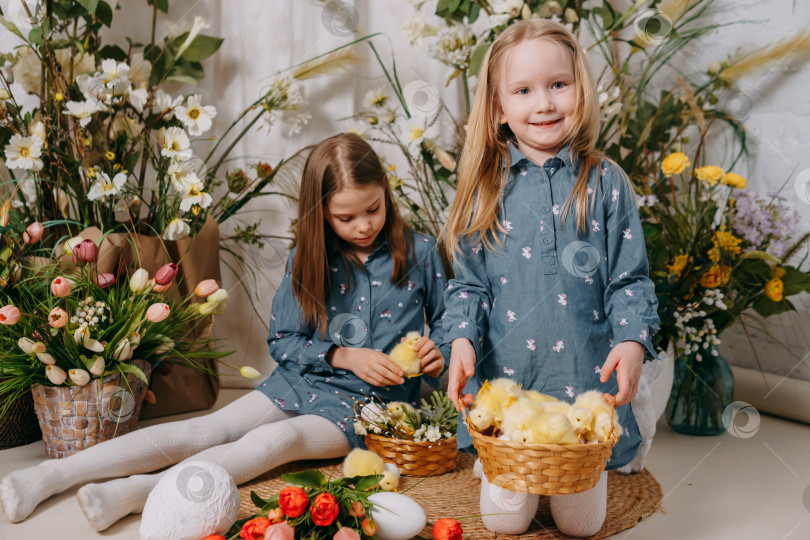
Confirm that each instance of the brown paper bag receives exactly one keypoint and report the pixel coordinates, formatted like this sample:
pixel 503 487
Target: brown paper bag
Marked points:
pixel 184 389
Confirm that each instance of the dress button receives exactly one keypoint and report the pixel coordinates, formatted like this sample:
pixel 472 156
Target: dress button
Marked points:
pixel 545 209
pixel 546 240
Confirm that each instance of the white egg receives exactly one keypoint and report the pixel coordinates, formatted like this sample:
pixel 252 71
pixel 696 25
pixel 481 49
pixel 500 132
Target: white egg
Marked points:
pixel 191 500
pixel 373 413
pixel 398 517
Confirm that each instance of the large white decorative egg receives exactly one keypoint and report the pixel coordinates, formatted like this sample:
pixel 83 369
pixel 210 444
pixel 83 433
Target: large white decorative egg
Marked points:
pixel 398 517
pixel 190 501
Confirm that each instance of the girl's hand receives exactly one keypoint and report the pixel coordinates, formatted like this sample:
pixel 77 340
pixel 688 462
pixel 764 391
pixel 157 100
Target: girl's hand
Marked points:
pixel 462 367
pixel 626 358
pixel 369 365
pixel 431 361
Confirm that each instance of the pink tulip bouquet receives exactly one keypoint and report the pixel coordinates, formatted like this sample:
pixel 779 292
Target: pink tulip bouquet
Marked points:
pixel 68 324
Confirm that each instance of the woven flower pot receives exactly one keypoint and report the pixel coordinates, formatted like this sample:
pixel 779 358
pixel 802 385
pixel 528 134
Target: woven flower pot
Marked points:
pixel 19 425
pixel 73 418
pixel 423 458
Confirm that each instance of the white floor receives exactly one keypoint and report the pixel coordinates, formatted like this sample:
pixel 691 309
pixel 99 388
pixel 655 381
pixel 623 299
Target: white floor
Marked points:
pixel 755 486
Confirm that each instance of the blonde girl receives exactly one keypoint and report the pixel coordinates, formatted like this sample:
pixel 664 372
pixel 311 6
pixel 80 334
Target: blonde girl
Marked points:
pixel 357 282
pixel 552 286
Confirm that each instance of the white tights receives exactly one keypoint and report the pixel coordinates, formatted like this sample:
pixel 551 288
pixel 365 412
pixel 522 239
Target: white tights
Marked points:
pixel 507 512
pixel 247 438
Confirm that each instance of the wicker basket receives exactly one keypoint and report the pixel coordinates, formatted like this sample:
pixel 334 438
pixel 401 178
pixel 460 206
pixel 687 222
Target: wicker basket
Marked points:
pixel 73 418
pixel 19 425
pixel 541 469
pixel 423 458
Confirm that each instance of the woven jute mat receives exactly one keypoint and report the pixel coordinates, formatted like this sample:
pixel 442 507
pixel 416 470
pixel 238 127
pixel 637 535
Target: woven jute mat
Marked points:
pixel 455 495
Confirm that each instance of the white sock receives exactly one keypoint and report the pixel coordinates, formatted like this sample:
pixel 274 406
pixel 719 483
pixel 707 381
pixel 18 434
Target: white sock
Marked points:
pixel 581 514
pixel 504 511
pixel 478 469
pixel 141 451
pixel 260 450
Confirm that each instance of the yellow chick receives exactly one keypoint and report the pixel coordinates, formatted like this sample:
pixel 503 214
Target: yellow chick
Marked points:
pixel 390 480
pixel 534 395
pixel 593 400
pixel 604 425
pixel 518 416
pixel 405 357
pixel 581 419
pixel 398 409
pixel 550 428
pixel 558 407
pixel 361 462
pixel 492 399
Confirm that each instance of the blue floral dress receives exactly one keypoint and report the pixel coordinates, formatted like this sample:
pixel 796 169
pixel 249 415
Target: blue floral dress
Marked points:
pixel 547 307
pixel 366 311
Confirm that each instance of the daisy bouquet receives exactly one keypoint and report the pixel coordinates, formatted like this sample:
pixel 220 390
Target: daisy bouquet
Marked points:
pixel 69 324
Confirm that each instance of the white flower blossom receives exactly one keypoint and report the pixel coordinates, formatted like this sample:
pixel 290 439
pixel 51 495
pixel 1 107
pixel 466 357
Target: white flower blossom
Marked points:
pixel 24 152
pixel 197 118
pixel 358 128
pixel 454 46
pixel 197 26
pixel 28 191
pixel 376 98
pixel 415 29
pixel 90 87
pixel 104 187
pixel 139 71
pixel 181 174
pixel 163 103
pixel 84 110
pixel 114 74
pixel 194 195
pixel 416 131
pixel 174 143
pixel 503 11
pixel 177 230
pixel 137 98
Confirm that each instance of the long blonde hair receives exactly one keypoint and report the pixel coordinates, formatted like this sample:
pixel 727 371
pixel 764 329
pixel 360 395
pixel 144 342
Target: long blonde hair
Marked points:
pixel 341 161
pixel 486 152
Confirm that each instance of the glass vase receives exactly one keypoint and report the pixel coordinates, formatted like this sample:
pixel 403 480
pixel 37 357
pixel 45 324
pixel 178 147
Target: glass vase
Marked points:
pixel 701 391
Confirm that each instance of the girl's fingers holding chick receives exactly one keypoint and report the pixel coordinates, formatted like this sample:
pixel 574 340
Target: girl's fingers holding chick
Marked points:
pixel 388 370
pixel 433 364
pixel 420 344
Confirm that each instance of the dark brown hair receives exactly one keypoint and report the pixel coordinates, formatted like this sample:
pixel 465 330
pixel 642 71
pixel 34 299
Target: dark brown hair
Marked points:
pixel 336 163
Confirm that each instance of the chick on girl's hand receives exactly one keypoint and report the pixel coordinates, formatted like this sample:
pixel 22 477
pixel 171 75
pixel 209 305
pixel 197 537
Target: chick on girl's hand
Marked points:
pixel 404 355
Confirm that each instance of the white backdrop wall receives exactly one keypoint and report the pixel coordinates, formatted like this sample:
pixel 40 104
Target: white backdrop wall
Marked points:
pixel 263 37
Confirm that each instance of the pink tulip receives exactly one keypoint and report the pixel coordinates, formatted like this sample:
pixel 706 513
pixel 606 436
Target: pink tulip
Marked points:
pixel 166 274
pixel 160 288
pixel 206 288
pixel 60 286
pixel 279 531
pixel 157 312
pixel 103 280
pixel 58 317
pixel 346 533
pixel 85 252
pixel 9 315
pixel 33 233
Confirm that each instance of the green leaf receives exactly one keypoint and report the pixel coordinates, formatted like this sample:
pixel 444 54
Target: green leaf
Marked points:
pixel 256 499
pixel 476 58
pixel 162 5
pixel 182 79
pixel 11 27
pixel 367 482
pixel 795 281
pixel 767 307
pixel 89 5
pixel 201 48
pixel 129 368
pixel 312 478
pixel 113 51
pixel 104 13
pixel 760 255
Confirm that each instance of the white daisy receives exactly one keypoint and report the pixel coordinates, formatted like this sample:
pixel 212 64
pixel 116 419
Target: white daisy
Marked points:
pixel 416 131
pixel 140 70
pixel 177 229
pixel 163 103
pixel 114 74
pixel 104 187
pixel 174 143
pixel 182 173
pixel 358 128
pixel 27 192
pixel 196 117
pixel 24 152
pixel 194 195
pixel 376 98
pixel 137 98
pixel 90 87
pixel 84 110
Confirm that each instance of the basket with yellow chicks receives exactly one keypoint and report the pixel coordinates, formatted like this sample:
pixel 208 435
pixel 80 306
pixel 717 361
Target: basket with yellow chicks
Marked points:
pixel 534 443
pixel 420 442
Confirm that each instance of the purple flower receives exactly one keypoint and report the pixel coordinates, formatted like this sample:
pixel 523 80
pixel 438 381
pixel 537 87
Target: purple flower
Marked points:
pixel 766 224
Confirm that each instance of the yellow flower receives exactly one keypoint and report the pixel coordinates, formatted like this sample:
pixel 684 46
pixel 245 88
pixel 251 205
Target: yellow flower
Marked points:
pixel 395 181
pixel 778 272
pixel 773 289
pixel 734 180
pixel 679 264
pixel 716 276
pixel 674 163
pixel 725 241
pixel 710 173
